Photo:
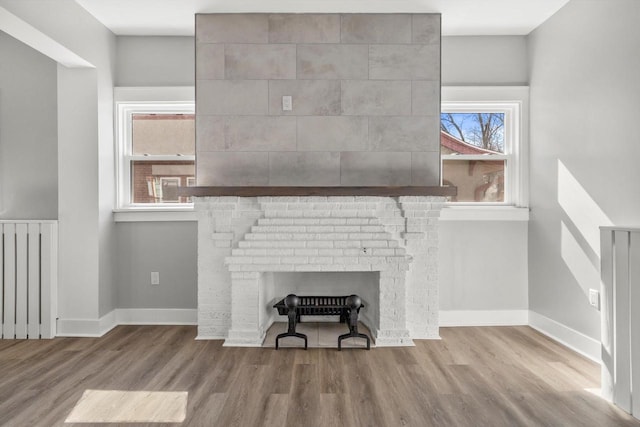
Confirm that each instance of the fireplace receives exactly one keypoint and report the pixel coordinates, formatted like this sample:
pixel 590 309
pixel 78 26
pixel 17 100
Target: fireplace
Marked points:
pixel 245 243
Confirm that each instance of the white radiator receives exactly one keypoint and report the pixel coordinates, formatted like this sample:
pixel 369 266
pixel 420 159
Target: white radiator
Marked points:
pixel 620 302
pixel 28 279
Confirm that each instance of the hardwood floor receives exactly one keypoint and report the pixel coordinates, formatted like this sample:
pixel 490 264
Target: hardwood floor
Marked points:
pixel 492 376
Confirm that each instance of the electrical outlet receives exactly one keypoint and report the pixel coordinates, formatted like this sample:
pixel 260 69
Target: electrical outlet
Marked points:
pixel 594 298
pixel 155 278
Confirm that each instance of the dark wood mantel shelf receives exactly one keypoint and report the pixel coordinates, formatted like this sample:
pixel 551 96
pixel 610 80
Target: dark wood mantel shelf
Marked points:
pixel 317 191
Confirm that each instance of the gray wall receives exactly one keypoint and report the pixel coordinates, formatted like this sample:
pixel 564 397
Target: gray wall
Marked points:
pixel 584 106
pixel 166 247
pixel 483 264
pixel 28 133
pixel 484 60
pixel 155 61
pixel 365 94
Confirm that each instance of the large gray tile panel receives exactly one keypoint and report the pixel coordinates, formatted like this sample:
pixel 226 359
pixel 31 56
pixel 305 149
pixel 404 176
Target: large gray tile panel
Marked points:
pixel 404 62
pixel 373 169
pixel 376 28
pixel 209 61
pixel 309 97
pixel 426 29
pixel 425 168
pixel 304 28
pixel 425 98
pixel 232 28
pixel 232 97
pixel 376 98
pixel 231 168
pixel 304 169
pixel 335 61
pixel 332 133
pixel 415 133
pixel 209 133
pixel 260 61
pixel 260 133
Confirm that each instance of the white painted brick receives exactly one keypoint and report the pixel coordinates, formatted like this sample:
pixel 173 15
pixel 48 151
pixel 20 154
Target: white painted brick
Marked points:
pixel 316 214
pixel 295 260
pixel 331 267
pixel 341 199
pixel 377 243
pixel 335 221
pixel 320 229
pixel 321 244
pixel 306 267
pixel 222 244
pixel 346 260
pixel 281 251
pixel 320 260
pixel 371 260
pixel 348 228
pixel 305 236
pixel 306 252
pixel 384 251
pixel 222 236
pixel 357 267
pixel 239 260
pixel 267 260
pixel 331 252
pixel 344 214
pixel 347 243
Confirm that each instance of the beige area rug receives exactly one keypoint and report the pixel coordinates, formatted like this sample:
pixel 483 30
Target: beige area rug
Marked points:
pixel 115 406
pixel 319 335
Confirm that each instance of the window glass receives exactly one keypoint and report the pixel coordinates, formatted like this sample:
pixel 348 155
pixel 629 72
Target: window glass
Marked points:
pixel 163 134
pixel 476 180
pixel 157 181
pixel 480 130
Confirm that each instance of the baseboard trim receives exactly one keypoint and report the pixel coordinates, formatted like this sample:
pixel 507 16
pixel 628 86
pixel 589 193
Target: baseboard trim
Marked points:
pixel 576 341
pixel 450 318
pixel 157 316
pixel 126 316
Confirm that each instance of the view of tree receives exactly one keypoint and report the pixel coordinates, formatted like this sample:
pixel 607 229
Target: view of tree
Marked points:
pixel 484 130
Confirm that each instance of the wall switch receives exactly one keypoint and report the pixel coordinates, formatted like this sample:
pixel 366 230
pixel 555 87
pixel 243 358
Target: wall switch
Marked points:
pixel 594 298
pixel 287 103
pixel 155 278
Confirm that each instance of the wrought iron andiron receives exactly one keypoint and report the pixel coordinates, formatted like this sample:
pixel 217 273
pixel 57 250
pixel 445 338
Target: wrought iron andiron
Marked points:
pixel 353 304
pixel 292 302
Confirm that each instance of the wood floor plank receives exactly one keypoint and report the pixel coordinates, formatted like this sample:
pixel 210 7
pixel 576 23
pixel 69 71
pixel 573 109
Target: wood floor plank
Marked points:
pixel 493 376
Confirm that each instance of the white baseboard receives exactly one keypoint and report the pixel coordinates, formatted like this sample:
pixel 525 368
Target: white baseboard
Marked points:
pixel 577 341
pixel 79 328
pixel 157 316
pixel 126 316
pixel 483 317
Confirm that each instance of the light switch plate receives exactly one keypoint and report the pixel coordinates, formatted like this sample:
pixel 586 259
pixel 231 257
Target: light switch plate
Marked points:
pixel 155 278
pixel 287 103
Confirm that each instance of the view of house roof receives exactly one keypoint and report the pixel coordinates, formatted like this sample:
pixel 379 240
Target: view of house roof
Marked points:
pixel 461 147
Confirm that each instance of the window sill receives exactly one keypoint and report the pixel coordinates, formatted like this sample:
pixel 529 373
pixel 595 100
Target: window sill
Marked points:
pixel 484 213
pixel 154 215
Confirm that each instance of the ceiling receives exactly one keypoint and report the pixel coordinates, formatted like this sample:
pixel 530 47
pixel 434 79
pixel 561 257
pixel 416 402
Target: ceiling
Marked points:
pixel 459 17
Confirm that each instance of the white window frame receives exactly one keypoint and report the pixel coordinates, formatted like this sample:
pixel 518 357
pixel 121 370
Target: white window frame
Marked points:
pixel 147 100
pixel 513 101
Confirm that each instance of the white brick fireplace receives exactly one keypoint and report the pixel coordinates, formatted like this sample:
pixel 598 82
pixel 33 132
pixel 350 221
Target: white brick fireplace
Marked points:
pixel 243 241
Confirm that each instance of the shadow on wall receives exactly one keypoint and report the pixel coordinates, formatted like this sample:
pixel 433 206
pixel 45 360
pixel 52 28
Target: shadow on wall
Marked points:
pixel 580 230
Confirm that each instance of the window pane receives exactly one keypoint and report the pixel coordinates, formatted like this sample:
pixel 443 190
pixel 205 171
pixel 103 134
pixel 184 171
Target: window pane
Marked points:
pixel 477 180
pixel 472 133
pixel 158 181
pixel 163 134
